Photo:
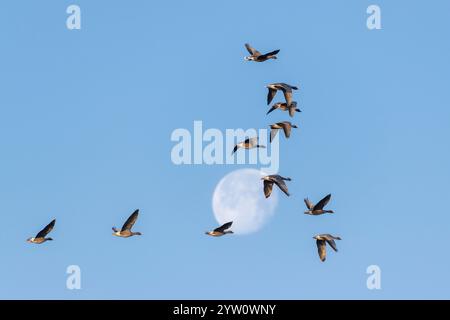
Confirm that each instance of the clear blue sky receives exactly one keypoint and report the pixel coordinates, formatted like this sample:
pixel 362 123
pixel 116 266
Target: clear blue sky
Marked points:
pixel 85 124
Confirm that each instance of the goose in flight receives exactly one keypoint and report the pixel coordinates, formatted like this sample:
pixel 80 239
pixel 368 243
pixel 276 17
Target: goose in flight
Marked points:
pixel 220 231
pixel 292 108
pixel 248 143
pixel 317 209
pixel 126 232
pixel 41 236
pixel 285 125
pixel 255 55
pixel 287 91
pixel 278 180
pixel 322 240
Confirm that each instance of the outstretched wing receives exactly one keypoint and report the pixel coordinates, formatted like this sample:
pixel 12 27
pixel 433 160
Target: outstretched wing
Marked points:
pixel 268 185
pixel 286 128
pixel 321 248
pixel 130 221
pixel 252 50
pixel 224 227
pixel 332 244
pixel 270 95
pixel 308 203
pixel 273 133
pixel 288 96
pixel 272 53
pixel 46 230
pixel 271 109
pixel 292 108
pixel 280 183
pixel 322 203
pixel 252 142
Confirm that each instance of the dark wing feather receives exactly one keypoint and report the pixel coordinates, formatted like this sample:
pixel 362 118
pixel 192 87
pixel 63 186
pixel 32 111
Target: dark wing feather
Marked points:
pixel 322 203
pixel 268 188
pixel 130 221
pixel 332 244
pixel 46 230
pixel 272 53
pixel 264 56
pixel 280 183
pixel 224 227
pixel 321 248
pixel 270 95
pixel 271 109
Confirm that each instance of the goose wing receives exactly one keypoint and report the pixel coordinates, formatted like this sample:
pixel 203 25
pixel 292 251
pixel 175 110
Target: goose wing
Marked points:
pixel 322 203
pixel 271 109
pixel 321 248
pixel 46 230
pixel 308 203
pixel 270 95
pixel 280 183
pixel 292 108
pixel 252 142
pixel 130 221
pixel 286 128
pixel 288 96
pixel 268 185
pixel 272 53
pixel 224 227
pixel 332 244
pixel 273 133
pixel 252 50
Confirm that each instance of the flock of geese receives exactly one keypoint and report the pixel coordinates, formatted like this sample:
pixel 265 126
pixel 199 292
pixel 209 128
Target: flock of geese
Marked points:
pixel 268 181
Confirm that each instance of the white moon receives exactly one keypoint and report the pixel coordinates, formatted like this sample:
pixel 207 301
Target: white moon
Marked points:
pixel 239 197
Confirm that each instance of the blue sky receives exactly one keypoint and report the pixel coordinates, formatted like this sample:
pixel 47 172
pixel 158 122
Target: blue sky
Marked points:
pixel 85 124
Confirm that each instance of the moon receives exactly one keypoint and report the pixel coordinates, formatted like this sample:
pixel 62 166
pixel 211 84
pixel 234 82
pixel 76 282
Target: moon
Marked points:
pixel 239 197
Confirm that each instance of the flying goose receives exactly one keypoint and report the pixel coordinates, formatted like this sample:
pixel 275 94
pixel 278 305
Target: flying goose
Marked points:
pixel 292 108
pixel 255 55
pixel 285 125
pixel 322 240
pixel 287 91
pixel 278 180
pixel 248 143
pixel 126 232
pixel 220 231
pixel 40 237
pixel 317 209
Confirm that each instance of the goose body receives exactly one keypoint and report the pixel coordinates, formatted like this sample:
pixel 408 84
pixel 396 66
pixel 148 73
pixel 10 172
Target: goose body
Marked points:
pixel 249 143
pixel 292 108
pixel 285 88
pixel 321 241
pixel 220 231
pixel 126 231
pixel 256 56
pixel 41 236
pixel 275 179
pixel 286 126
pixel 318 209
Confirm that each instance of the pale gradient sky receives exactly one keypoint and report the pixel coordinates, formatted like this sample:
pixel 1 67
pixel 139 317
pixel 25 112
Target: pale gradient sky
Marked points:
pixel 85 124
